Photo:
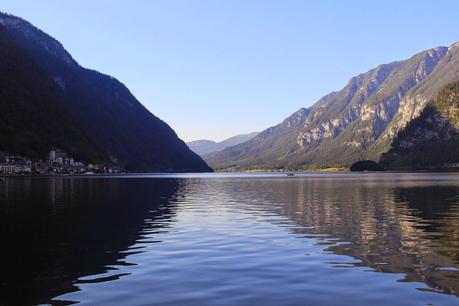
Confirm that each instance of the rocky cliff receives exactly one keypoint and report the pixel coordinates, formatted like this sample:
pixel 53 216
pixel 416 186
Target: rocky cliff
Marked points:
pixel 430 141
pixel 358 122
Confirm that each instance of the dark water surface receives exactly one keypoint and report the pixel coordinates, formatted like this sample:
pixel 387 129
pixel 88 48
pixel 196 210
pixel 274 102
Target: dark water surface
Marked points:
pixel 319 239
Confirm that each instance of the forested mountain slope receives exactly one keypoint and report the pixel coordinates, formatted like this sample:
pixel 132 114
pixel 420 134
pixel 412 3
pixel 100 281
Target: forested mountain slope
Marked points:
pixel 358 122
pixel 119 124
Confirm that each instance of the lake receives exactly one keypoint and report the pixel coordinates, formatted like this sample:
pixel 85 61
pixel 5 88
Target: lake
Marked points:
pixel 231 239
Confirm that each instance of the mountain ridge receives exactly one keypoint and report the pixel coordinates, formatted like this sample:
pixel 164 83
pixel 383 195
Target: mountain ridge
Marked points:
pixel 431 140
pixel 130 134
pixel 205 147
pixel 358 122
pixel 36 116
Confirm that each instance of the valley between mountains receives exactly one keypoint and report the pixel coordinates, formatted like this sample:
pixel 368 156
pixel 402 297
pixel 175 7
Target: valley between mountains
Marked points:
pixel 402 115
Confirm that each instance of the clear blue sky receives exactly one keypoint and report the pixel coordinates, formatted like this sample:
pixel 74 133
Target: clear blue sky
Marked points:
pixel 216 68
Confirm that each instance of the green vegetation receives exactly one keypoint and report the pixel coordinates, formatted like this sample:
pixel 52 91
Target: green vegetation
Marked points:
pixel 36 117
pixel 108 113
pixel 356 123
pixel 430 141
pixel 365 165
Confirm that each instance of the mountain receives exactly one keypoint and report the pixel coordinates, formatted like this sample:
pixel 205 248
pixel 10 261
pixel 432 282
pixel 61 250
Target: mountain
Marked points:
pixel 36 116
pixel 117 122
pixel 358 122
pixel 263 150
pixel 204 147
pixel 430 140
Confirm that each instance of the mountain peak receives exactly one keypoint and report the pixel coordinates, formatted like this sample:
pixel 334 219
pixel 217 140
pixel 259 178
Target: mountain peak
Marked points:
pixel 301 112
pixel 205 147
pixel 107 112
pixel 357 122
pixel 454 45
pixel 29 34
pixel 10 20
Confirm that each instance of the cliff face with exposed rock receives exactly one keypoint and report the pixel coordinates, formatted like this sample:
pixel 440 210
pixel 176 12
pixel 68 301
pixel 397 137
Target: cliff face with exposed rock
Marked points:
pixel 358 122
pixel 432 139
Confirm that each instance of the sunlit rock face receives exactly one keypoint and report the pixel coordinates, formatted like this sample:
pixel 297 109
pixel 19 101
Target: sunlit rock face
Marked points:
pixel 375 97
pixel 358 122
pixel 431 140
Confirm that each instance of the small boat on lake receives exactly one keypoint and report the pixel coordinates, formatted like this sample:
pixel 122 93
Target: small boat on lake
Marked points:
pixel 290 174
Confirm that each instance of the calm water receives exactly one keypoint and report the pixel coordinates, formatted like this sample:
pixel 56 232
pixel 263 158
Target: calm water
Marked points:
pixel 347 239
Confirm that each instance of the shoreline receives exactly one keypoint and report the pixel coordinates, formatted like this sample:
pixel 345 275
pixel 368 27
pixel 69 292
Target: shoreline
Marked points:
pixel 127 174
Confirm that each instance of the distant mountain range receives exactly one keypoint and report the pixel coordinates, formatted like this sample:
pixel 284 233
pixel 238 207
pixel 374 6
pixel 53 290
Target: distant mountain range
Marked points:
pixel 358 122
pixel 49 101
pixel 204 147
pixel 403 114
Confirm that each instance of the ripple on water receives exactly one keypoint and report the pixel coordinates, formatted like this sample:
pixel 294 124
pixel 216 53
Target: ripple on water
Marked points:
pixel 234 240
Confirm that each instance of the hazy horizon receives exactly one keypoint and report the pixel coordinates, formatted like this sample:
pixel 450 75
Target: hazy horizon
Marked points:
pixel 213 70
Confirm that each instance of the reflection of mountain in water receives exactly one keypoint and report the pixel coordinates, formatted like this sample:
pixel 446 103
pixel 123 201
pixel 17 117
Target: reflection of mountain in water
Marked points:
pixel 59 233
pixel 411 228
pixel 61 229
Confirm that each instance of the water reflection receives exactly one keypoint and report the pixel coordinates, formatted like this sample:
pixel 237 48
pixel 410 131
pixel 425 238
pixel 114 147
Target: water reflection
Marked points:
pixel 409 227
pixel 231 240
pixel 57 231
